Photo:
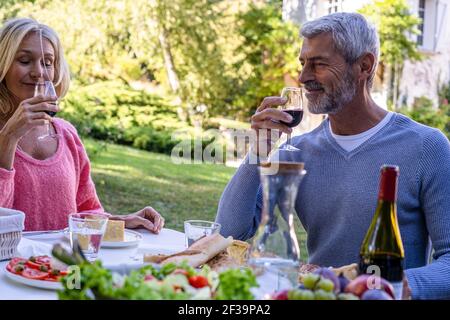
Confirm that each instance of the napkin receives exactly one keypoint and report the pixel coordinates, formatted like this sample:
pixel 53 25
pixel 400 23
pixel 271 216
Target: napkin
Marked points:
pixel 28 248
pixel 11 220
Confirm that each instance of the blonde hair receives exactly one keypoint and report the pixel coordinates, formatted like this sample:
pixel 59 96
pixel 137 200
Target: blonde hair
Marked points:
pixel 11 35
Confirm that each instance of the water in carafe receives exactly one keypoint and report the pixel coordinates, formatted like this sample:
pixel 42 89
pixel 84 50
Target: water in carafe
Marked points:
pixel 275 251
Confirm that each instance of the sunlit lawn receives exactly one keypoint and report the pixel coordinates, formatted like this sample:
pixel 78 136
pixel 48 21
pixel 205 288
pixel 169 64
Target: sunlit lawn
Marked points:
pixel 128 179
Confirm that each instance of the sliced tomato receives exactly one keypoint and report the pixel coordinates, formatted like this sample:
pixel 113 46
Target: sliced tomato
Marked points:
pixel 198 281
pixel 17 260
pixel 34 274
pixel 45 260
pixel 33 265
pixel 16 265
pixel 36 262
pixel 10 268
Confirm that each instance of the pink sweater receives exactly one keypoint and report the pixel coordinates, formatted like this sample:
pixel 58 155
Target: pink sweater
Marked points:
pixel 49 190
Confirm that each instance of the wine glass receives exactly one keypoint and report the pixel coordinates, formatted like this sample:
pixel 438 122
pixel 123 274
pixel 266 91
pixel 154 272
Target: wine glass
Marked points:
pixel 46 88
pixel 293 107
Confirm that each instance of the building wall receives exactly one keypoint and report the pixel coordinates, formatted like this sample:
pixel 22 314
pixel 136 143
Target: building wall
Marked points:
pixel 343 6
pixel 425 78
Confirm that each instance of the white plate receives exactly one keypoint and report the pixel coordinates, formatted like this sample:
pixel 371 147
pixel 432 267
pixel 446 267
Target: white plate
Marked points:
pixel 150 249
pixel 49 285
pixel 132 238
pixel 153 250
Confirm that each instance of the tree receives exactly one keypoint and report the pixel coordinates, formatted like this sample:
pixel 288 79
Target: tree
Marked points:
pixel 174 42
pixel 270 52
pixel 218 57
pixel 395 25
pixel 96 35
pixel 187 32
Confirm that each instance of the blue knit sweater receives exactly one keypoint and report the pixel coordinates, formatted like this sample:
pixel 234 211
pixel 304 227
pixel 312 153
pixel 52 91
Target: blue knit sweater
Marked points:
pixel 338 196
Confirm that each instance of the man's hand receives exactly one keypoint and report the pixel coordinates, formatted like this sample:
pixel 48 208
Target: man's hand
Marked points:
pixel 406 292
pixel 266 119
pixel 147 218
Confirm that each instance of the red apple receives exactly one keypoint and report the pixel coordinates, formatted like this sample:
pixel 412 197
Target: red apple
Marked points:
pixel 280 295
pixel 366 282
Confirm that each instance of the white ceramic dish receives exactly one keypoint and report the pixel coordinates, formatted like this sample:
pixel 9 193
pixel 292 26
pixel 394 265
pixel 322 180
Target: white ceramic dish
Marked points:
pixel 132 238
pixel 42 284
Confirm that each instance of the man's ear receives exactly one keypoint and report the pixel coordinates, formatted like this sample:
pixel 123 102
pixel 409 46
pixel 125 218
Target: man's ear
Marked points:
pixel 366 65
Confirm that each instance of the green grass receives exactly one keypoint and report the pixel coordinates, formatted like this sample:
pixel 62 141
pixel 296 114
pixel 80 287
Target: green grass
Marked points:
pixel 128 179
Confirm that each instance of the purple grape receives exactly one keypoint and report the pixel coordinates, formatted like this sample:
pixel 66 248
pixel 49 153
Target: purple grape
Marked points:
pixel 375 294
pixel 343 282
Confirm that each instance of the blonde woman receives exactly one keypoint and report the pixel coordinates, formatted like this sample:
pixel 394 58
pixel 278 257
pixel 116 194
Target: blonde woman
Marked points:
pixel 47 179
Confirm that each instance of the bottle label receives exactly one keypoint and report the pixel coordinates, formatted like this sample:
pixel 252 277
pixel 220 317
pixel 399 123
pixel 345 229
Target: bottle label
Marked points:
pixel 398 290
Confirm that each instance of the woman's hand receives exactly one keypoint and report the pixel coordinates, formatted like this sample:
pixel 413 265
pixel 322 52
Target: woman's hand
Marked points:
pixel 147 218
pixel 28 115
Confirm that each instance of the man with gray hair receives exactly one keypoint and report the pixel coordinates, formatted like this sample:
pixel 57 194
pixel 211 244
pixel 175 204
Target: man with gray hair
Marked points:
pixel 338 196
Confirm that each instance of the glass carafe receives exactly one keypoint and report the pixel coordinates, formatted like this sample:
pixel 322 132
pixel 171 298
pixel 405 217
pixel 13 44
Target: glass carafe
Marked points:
pixel 275 253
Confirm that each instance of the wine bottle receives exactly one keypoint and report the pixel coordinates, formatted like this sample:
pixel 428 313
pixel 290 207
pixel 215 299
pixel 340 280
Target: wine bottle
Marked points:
pixel 382 249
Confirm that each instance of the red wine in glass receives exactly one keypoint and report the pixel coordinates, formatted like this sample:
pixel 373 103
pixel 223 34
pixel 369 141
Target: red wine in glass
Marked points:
pixel 297 115
pixel 50 91
pixel 46 88
pixel 293 107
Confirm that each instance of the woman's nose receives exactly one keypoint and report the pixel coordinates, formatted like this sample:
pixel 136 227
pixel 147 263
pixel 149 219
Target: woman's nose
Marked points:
pixel 36 71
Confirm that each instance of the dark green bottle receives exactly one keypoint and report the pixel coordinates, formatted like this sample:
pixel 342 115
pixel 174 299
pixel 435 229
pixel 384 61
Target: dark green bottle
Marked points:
pixel 382 246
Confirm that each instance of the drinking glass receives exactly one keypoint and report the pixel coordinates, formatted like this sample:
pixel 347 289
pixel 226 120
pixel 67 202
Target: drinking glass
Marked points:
pixel 88 230
pixel 196 229
pixel 293 107
pixel 46 88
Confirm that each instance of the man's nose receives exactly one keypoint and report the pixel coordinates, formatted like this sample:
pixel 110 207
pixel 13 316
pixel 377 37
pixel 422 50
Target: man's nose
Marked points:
pixel 305 75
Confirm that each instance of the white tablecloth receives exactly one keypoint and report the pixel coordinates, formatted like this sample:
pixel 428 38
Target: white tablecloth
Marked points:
pixel 167 241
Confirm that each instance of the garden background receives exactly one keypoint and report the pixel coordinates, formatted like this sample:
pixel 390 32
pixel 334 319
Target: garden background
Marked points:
pixel 147 75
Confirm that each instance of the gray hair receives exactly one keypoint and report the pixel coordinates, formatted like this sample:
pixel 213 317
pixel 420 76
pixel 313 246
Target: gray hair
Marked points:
pixel 352 35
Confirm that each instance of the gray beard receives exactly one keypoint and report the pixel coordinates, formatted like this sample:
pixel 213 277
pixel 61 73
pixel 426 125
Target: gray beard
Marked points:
pixel 333 102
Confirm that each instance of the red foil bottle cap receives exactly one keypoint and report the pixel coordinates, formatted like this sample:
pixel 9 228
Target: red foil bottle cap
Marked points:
pixel 388 183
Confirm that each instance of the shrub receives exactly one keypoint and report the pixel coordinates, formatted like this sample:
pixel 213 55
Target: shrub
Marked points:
pixel 114 112
pixel 424 112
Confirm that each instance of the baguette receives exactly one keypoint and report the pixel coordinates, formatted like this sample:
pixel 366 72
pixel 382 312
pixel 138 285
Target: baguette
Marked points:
pixel 197 254
pixel 209 247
